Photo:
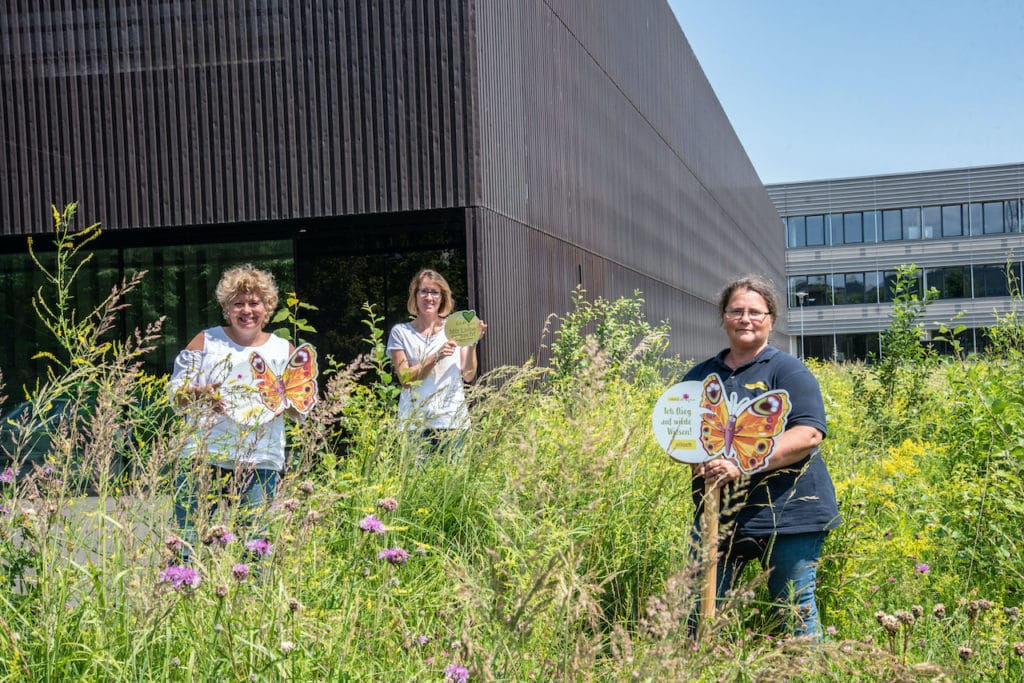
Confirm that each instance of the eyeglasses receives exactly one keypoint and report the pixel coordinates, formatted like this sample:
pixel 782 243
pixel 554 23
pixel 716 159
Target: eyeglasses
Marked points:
pixel 737 313
pixel 433 293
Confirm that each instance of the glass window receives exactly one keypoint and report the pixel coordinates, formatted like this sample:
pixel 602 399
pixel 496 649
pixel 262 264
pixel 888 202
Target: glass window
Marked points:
pixel 797 283
pixel 889 282
pixel 892 226
pixel 1013 218
pixel 834 225
pixel 837 285
pixel 817 291
pixel 853 228
pixel 931 222
pixel 815 231
pixel 993 218
pixel 873 286
pixel 796 231
pixel 950 283
pixel 912 224
pixel 974 219
pixel 872 226
pixel 854 288
pixel 990 281
pixel 951 221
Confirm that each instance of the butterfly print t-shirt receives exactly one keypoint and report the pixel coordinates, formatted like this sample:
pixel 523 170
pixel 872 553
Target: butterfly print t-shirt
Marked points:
pixel 796 499
pixel 247 432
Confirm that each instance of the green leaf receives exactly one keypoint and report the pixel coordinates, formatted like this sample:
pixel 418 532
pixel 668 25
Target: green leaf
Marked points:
pixel 281 316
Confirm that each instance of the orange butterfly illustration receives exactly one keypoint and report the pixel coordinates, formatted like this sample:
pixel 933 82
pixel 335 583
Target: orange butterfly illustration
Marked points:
pixel 745 432
pixel 296 385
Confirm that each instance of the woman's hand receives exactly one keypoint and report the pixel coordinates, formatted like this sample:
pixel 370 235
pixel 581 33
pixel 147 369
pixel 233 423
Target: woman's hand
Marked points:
pixel 208 394
pixel 718 471
pixel 447 350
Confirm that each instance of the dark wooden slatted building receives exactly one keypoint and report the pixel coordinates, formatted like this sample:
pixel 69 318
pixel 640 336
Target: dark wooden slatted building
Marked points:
pixel 521 147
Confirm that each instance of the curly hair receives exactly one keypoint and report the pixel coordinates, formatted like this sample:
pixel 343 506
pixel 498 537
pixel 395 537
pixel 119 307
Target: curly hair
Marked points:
pixel 445 307
pixel 753 283
pixel 247 279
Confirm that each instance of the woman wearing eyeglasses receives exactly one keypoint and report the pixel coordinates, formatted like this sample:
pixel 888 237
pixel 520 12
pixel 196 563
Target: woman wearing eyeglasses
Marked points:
pixel 431 367
pixel 777 508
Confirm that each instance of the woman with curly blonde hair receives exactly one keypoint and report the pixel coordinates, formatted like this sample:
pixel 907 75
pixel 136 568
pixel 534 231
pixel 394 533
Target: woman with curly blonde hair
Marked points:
pixel 236 444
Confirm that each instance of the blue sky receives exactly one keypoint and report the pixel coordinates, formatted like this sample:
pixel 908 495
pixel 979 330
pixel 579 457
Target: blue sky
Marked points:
pixel 837 88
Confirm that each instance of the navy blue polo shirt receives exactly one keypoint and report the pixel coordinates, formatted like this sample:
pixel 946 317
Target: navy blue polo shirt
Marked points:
pixel 796 499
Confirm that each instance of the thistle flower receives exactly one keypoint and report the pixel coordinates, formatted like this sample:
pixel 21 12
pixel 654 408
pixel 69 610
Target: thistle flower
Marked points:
pixel 1012 613
pixel 259 547
pixel 240 571
pixel 181 577
pixel 291 505
pixel 388 504
pixel 965 653
pixel 890 623
pixel 921 568
pixel 221 591
pixel 904 617
pixel 306 486
pixel 294 605
pixel 219 535
pixel 8 475
pixel 917 611
pixel 939 611
pixel 1018 649
pixel 313 517
pixel 286 646
pixel 456 673
pixel 393 555
pixel 174 543
pixel 372 525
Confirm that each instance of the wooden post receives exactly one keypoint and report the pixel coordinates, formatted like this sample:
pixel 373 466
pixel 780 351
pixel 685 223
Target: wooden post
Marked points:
pixel 709 555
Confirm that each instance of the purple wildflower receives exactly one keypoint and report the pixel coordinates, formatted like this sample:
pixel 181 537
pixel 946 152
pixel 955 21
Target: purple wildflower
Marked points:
pixel 240 571
pixel 219 535
pixel 372 525
pixel 393 555
pixel 7 476
pixel 181 577
pixel 921 568
pixel 174 543
pixel 259 546
pixel 387 504
pixel 456 673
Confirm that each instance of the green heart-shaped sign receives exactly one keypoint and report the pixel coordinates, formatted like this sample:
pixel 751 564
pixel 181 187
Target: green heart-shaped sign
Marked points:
pixel 462 327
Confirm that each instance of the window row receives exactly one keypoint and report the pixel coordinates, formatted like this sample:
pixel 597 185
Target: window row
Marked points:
pixel 866 346
pixel 875 286
pixel 912 223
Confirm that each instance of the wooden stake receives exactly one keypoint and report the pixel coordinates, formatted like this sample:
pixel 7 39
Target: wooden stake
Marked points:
pixel 709 554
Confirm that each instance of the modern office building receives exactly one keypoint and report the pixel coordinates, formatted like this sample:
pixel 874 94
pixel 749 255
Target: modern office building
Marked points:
pixel 846 237
pixel 521 147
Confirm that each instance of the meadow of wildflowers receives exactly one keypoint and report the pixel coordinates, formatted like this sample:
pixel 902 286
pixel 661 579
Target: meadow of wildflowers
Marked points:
pixel 552 548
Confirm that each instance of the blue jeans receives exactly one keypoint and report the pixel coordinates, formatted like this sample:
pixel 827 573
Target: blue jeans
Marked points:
pixel 792 564
pixel 253 489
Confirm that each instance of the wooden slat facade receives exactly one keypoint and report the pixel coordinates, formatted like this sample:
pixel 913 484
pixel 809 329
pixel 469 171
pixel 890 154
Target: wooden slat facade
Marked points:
pixel 188 113
pixel 581 140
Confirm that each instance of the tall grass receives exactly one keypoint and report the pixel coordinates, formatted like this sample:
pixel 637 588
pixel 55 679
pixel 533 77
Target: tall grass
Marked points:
pixel 552 548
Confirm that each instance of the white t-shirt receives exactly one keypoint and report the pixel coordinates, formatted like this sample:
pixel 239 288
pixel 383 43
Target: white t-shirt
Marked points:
pixel 438 401
pixel 247 432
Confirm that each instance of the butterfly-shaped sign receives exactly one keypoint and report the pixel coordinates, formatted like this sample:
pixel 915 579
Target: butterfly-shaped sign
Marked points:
pixel 744 432
pixel 294 388
pixel 463 328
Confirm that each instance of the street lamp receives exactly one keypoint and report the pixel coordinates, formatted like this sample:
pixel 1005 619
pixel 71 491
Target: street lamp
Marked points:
pixel 800 296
